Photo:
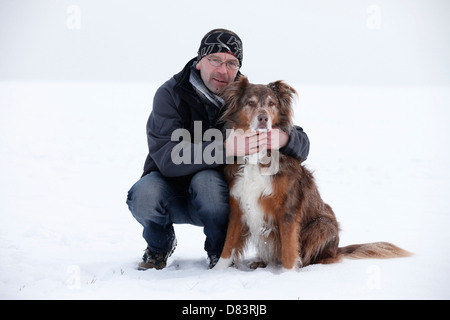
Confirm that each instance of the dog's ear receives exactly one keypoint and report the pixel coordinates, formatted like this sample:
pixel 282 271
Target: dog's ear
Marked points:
pixel 235 90
pixel 285 94
pixel 232 95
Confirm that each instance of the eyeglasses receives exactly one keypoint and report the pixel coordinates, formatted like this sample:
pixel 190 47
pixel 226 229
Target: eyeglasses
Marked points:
pixel 231 65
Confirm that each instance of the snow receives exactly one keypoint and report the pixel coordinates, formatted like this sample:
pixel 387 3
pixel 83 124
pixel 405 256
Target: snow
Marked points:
pixel 69 152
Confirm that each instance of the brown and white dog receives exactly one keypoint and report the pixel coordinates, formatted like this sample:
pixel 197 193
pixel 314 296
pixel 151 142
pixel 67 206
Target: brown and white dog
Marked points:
pixel 280 211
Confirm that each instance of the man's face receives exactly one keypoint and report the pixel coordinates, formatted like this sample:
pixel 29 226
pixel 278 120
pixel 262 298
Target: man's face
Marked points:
pixel 217 78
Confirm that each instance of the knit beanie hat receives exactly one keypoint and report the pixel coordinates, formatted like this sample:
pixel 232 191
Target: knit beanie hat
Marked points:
pixel 221 40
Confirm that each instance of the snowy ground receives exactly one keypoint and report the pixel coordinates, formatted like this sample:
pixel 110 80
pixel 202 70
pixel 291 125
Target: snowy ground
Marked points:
pixel 69 152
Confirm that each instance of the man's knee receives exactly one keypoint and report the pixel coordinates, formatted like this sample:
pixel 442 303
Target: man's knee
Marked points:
pixel 210 196
pixel 209 188
pixel 147 197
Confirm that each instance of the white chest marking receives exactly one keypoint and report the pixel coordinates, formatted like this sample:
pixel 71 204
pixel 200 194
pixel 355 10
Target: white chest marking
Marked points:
pixel 250 186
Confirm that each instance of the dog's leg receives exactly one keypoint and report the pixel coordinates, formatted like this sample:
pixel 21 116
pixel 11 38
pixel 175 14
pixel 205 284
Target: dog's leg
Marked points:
pixel 319 241
pixel 289 244
pixel 235 238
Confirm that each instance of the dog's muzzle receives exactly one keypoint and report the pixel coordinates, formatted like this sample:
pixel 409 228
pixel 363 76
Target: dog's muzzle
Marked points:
pixel 262 122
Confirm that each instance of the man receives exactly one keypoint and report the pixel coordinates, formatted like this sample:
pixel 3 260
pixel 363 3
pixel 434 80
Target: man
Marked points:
pixel 195 192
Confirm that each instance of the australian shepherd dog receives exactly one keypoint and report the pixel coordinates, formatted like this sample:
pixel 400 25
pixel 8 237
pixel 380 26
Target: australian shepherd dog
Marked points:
pixel 274 201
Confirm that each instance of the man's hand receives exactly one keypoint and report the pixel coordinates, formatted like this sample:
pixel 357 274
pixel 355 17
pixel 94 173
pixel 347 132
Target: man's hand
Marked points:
pixel 277 139
pixel 239 144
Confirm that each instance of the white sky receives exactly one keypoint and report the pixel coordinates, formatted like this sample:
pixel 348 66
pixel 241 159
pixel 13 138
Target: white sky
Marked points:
pixel 320 42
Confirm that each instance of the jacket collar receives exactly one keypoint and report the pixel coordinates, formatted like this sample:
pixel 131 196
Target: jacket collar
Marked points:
pixel 182 79
pixel 186 91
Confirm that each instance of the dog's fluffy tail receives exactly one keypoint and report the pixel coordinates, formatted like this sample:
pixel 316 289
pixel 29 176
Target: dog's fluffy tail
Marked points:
pixel 375 250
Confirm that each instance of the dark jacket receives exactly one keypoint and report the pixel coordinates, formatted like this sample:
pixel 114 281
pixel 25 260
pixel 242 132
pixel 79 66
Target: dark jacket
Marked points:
pixel 176 105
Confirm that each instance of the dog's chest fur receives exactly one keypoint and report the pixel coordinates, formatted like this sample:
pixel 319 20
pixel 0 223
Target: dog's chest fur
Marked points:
pixel 249 187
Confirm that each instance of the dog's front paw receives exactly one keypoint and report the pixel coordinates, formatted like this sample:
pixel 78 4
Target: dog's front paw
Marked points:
pixel 257 264
pixel 296 267
pixel 223 263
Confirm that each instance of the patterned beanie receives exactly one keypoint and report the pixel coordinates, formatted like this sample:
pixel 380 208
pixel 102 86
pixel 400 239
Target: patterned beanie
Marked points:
pixel 221 40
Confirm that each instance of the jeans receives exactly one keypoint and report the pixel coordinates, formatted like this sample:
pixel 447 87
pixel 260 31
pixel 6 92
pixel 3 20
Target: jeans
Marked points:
pixel 157 202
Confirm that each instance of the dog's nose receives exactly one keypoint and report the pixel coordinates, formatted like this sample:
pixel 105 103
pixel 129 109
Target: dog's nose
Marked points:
pixel 263 118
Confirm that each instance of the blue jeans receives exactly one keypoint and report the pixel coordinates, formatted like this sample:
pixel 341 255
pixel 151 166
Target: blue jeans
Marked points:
pixel 157 202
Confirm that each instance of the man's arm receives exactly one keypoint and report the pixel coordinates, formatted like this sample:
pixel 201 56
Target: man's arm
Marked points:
pixel 162 123
pixel 297 145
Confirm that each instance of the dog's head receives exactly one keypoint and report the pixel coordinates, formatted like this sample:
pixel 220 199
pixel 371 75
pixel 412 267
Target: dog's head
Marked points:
pixel 257 106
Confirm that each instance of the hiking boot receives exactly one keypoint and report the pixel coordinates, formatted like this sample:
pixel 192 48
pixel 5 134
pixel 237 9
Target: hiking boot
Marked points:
pixel 155 260
pixel 213 259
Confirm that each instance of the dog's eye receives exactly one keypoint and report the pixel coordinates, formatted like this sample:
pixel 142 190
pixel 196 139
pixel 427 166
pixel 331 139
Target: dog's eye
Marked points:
pixel 271 104
pixel 251 103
